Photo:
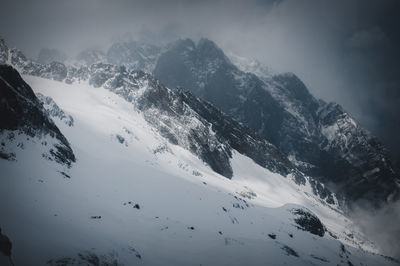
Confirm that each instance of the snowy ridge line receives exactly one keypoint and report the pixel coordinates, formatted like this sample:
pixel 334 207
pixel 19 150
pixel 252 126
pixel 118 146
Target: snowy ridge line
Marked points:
pixel 129 84
pixel 108 209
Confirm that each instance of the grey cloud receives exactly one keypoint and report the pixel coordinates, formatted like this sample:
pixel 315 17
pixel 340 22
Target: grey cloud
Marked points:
pixel 367 38
pixel 382 227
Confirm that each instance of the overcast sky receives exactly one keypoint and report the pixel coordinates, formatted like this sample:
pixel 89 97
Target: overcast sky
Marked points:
pixel 345 51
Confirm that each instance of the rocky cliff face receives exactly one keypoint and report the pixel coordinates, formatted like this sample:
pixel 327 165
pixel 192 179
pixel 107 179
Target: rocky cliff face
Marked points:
pixel 320 139
pixel 373 177
pixel 196 125
pixel 187 121
pixel 22 113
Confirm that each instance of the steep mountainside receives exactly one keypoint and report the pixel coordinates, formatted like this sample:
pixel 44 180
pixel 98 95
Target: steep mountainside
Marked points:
pixel 280 108
pixel 181 118
pixel 21 113
pixel 149 184
pixel 134 197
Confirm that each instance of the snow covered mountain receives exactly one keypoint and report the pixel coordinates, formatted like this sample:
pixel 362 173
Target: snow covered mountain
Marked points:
pixel 145 179
pixel 320 138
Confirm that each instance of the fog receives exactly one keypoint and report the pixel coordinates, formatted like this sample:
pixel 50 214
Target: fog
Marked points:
pixel 345 51
pixel 381 226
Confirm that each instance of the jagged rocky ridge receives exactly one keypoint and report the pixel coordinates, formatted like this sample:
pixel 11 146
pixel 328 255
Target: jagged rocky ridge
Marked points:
pixel 21 112
pixel 180 117
pixel 189 122
pixel 54 111
pixel 149 95
pixel 320 138
pixel 277 106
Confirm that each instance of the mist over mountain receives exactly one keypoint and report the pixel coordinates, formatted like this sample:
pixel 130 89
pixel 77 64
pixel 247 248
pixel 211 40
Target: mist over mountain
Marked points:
pixel 344 51
pixel 212 133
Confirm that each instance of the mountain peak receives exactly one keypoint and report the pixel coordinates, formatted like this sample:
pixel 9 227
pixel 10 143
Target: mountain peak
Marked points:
pixel 186 43
pixel 282 110
pixel 205 43
pixel 210 50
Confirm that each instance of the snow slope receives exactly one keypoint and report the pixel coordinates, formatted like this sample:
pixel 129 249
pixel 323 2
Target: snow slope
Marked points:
pixel 133 198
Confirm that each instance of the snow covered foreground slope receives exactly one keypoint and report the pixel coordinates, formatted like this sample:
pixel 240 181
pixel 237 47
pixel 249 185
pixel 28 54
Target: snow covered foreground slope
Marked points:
pixel 133 198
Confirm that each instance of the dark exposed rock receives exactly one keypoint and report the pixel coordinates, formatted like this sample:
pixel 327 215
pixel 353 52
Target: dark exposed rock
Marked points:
pixel 319 258
pixel 290 251
pixel 55 70
pixel 137 254
pixel 241 138
pixel 369 173
pixel 5 244
pixel 120 138
pixel 21 110
pixel 53 110
pixel 7 156
pixel 87 258
pixel 307 221
pixel 65 175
